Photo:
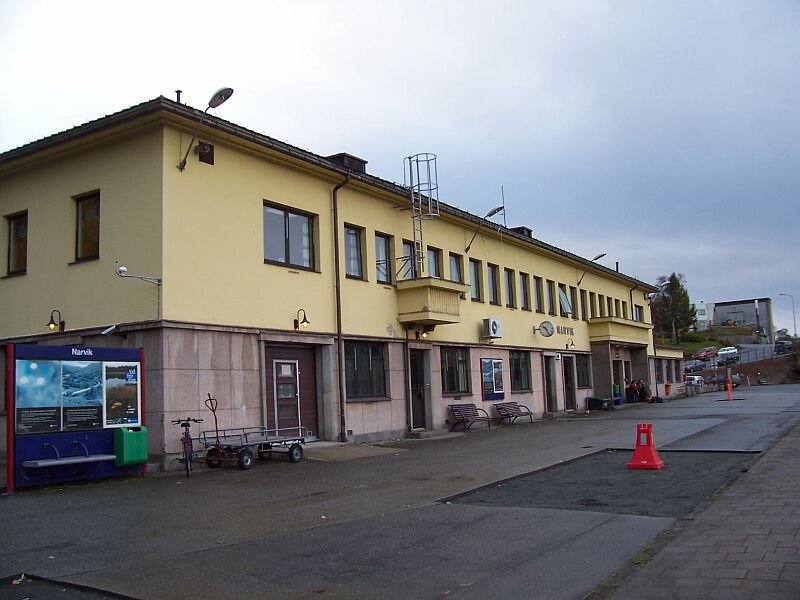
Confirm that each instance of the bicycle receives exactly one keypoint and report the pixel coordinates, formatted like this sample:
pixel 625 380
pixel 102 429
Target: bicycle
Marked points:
pixel 186 441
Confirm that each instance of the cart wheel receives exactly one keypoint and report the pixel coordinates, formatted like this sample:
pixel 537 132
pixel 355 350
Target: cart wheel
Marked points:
pixel 245 460
pixel 214 458
pixel 265 454
pixel 295 453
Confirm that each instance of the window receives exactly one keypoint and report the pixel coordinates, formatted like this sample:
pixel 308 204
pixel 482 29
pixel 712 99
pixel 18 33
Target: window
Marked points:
pixel 455 370
pixel 610 302
pixel 617 312
pixel 87 240
pixel 492 284
pixel 564 303
pixel 584 311
pixel 511 289
pixel 434 262
pixel 383 258
pixel 538 293
pixel 624 309
pixel 592 305
pixel 456 268
pixel 353 255
pixel 365 376
pixel 525 291
pixel 573 299
pixel 288 237
pixel 408 267
pixel 602 302
pixel 520 371
pixel 475 287
pixel 638 313
pixel 583 370
pixel 551 297
pixel 17 243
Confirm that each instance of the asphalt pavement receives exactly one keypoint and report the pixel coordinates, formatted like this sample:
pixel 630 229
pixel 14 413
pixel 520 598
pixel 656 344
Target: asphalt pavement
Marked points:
pixel 402 520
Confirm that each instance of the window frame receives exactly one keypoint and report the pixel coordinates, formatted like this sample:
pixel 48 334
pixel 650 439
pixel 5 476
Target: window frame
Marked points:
pixel 565 308
pixel 475 280
pixel 289 212
pixel 584 312
pixel 388 262
pixel 583 370
pixel 354 233
pixel 524 291
pixel 493 283
pixel 458 261
pixel 551 298
pixel 538 294
pixel 434 262
pixel 19 266
pixel 517 359
pixel 592 305
pixel 461 359
pixel 353 352
pixel 408 270
pixel 573 298
pixel 82 227
pixel 510 280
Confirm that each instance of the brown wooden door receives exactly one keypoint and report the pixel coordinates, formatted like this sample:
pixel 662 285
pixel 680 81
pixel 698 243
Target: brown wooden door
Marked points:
pixel 291 387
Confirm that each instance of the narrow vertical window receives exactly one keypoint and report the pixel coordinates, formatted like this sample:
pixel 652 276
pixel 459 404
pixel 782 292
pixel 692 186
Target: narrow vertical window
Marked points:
pixel 525 291
pixel 551 297
pixel 492 284
pixel 17 243
pixel 520 371
pixel 383 258
pixel 87 239
pixel 353 256
pixel 408 262
pixel 511 289
pixel 573 298
pixel 456 268
pixel 538 294
pixel 592 305
pixel 434 262
pixel 475 286
pixel 584 308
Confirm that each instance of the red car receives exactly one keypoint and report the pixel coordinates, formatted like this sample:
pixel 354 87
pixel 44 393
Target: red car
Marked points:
pixel 705 353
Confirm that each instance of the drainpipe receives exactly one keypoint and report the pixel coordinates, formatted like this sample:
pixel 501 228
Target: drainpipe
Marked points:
pixel 339 338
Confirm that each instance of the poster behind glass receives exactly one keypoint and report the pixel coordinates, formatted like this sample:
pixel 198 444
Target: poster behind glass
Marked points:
pixel 122 394
pixel 38 396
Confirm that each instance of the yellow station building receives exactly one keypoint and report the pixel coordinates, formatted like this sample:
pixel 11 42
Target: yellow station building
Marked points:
pixel 292 286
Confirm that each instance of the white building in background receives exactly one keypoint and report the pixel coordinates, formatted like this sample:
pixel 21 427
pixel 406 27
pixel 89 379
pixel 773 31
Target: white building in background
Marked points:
pixel 704 316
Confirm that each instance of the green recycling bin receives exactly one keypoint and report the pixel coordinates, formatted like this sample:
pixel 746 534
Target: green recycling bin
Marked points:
pixel 130 446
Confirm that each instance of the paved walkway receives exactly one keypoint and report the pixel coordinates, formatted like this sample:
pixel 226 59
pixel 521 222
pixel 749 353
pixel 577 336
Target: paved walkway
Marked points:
pixel 744 545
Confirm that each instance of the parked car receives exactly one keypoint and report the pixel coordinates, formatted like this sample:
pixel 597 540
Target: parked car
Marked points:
pixel 784 347
pixel 694 380
pixel 692 366
pixel 705 353
pixel 727 355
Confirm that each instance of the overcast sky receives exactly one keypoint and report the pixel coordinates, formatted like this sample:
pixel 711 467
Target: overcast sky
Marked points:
pixel 666 134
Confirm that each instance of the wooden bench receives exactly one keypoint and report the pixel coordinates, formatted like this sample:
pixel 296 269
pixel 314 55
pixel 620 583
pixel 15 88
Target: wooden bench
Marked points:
pixel 467 415
pixel 512 411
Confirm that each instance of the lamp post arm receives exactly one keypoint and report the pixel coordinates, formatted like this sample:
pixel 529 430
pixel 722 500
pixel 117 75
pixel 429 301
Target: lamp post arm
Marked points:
pixel 182 164
pixel 474 235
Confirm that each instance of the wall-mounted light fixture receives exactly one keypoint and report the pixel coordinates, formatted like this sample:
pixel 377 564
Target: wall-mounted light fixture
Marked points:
pixel 570 344
pixel 122 271
pixel 218 98
pixel 52 324
pixel 304 322
pixel 424 332
pixel 598 257
pixel 491 213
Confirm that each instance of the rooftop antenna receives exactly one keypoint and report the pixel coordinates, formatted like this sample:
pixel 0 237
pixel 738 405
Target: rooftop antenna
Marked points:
pixel 503 196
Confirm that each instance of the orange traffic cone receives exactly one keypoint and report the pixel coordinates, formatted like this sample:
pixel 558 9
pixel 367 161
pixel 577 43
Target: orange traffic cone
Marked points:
pixel 645 456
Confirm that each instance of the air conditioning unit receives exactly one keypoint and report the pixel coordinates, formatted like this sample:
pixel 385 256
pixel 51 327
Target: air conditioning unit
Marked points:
pixel 492 329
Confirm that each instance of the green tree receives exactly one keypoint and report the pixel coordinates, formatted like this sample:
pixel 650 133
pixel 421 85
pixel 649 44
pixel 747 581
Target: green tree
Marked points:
pixel 673 314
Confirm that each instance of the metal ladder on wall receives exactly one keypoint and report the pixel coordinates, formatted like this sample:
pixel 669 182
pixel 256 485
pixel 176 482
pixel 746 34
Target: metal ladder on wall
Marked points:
pixel 423 185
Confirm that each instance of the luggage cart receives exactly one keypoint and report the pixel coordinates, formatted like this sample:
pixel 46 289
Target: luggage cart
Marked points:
pixel 241 444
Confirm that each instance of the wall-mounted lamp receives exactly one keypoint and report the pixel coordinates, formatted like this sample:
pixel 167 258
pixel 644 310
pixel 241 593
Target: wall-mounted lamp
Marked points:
pixel 122 271
pixel 304 322
pixel 570 344
pixel 598 257
pixel 425 332
pixel 218 98
pixel 491 213
pixel 52 324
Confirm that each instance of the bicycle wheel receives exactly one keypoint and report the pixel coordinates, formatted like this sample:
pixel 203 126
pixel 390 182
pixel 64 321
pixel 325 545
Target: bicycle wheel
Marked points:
pixel 187 456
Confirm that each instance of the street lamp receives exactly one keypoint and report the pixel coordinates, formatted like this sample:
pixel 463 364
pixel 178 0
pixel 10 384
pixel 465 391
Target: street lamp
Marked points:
pixel 491 213
pixel 218 98
pixel 794 319
pixel 598 257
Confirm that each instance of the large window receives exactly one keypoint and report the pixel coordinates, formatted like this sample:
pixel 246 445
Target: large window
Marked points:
pixel 434 262
pixel 383 258
pixel 524 291
pixel 475 286
pixel 456 268
pixel 455 370
pixel 288 237
pixel 364 367
pixel 520 371
pixel 511 288
pixel 408 264
pixel 493 284
pixel 583 369
pixel 87 239
pixel 17 243
pixel 353 254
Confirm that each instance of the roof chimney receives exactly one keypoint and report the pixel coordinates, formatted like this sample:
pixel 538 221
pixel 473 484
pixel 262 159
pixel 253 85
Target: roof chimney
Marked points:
pixel 522 230
pixel 348 161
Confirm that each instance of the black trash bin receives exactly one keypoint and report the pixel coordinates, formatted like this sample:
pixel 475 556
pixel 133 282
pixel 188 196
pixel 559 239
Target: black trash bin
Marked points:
pixel 593 403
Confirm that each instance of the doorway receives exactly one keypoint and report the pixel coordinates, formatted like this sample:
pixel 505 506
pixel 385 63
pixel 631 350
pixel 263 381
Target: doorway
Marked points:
pixel 417 360
pixel 291 388
pixel 551 396
pixel 568 364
